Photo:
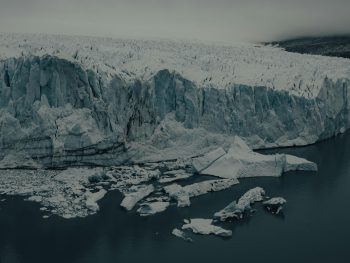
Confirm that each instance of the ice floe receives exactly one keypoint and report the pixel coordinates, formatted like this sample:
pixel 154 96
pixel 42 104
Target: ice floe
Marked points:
pixel 205 227
pixel 275 205
pixel 294 163
pixel 241 162
pixel 179 233
pixel 182 194
pixel 152 208
pixel 236 210
pixel 136 194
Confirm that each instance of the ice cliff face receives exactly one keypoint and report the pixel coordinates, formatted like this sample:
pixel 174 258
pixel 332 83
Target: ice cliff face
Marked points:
pixel 69 111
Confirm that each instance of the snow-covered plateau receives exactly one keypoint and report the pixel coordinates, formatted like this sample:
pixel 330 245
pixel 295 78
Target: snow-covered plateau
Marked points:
pixel 70 101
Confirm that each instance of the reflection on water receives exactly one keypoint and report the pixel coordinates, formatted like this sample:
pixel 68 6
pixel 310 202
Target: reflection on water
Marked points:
pixel 314 228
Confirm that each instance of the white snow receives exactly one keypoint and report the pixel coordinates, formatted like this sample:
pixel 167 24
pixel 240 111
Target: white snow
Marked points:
pixel 210 65
pixel 205 227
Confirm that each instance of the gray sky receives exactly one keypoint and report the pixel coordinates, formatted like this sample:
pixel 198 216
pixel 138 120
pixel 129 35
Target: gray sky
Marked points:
pixel 215 20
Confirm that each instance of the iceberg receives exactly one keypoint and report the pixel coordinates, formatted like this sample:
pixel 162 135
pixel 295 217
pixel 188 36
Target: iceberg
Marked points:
pixel 152 208
pixel 241 162
pixel 136 194
pixel 182 194
pixel 275 205
pixel 206 227
pixel 294 163
pixel 93 198
pixel 19 160
pixel 236 210
pixel 178 233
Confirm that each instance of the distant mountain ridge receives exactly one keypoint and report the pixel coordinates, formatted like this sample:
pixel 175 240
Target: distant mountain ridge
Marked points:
pixel 333 46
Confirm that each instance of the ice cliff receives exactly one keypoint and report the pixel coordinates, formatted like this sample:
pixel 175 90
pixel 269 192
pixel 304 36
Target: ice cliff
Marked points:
pixel 68 101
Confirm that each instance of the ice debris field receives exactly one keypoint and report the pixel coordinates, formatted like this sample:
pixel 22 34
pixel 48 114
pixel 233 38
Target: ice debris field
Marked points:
pixel 153 187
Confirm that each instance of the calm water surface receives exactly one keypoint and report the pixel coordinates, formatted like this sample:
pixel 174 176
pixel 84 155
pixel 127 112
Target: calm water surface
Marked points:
pixel 314 228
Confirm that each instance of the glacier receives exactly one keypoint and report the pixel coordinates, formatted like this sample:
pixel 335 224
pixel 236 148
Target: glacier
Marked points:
pixel 81 101
pixel 155 119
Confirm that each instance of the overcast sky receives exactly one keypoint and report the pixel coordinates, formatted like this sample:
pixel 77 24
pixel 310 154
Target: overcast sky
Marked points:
pixel 215 20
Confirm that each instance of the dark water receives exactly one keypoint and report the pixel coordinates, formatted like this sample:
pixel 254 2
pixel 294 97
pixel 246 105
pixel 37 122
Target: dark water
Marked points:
pixel 315 226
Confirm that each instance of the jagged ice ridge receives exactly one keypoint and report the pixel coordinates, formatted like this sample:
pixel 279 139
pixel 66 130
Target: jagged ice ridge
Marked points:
pixel 100 101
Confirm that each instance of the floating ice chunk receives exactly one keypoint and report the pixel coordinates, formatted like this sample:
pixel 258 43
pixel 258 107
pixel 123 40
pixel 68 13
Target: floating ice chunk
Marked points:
pixel 178 193
pixel 201 163
pixel 93 198
pixel 205 187
pixel 253 195
pixel 205 227
pixel 137 194
pixel 241 162
pixel 235 210
pixel 275 205
pixel 152 208
pixel 178 233
pixel 294 163
pixel 173 176
pixel 183 194
pixel 35 198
